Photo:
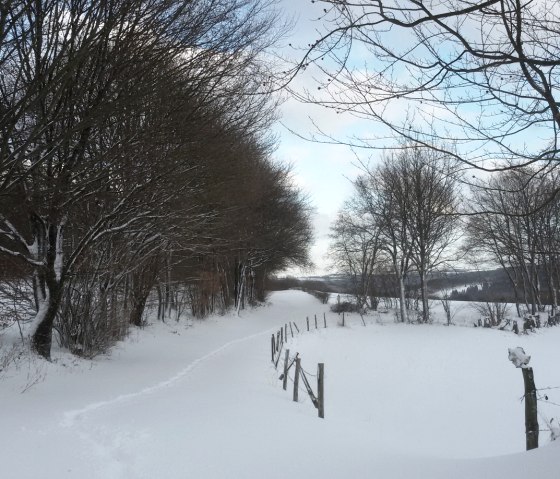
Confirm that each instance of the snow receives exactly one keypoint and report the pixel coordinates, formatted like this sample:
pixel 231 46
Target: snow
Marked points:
pixel 518 357
pixel 202 400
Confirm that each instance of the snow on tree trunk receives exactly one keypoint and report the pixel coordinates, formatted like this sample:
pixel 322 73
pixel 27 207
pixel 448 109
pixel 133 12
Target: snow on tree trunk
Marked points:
pixel 47 248
pixel 404 312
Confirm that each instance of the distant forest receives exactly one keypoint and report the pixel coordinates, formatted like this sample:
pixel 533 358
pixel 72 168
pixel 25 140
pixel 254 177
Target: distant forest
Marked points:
pixel 491 285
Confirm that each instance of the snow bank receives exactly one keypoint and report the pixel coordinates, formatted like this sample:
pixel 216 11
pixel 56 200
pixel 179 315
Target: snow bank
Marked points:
pixel 203 401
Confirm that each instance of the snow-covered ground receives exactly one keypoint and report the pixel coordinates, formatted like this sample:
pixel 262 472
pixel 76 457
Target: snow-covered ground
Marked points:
pixel 202 401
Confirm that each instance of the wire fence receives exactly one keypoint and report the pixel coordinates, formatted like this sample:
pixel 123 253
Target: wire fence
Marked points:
pixel 302 379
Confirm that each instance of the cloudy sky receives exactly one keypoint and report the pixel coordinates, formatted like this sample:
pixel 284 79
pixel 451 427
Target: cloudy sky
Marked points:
pixel 323 172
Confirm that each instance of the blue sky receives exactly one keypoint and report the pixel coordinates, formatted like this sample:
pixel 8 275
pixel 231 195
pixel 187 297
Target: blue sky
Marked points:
pixel 323 172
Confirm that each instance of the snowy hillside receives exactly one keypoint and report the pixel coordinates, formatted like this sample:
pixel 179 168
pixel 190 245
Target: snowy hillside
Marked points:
pixel 204 401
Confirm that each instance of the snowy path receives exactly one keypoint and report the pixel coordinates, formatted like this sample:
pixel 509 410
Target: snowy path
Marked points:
pixel 59 415
pixel 205 403
pixel 72 416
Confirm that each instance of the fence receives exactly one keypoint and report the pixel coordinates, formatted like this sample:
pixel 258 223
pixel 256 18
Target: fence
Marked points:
pixel 277 342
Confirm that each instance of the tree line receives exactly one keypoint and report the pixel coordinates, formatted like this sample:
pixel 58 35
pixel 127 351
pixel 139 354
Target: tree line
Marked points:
pixel 136 160
pixel 475 83
pixel 412 217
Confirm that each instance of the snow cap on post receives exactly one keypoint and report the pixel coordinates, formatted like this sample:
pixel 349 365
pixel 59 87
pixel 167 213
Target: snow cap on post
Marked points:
pixel 518 357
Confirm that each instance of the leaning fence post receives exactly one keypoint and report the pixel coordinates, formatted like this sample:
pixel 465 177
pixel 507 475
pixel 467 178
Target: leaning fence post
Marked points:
pixel 285 378
pixel 297 329
pixel 291 330
pixel 321 389
pixel 273 347
pixel 296 379
pixel 518 357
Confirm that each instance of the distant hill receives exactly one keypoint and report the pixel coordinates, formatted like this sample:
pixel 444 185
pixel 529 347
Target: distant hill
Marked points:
pixel 460 285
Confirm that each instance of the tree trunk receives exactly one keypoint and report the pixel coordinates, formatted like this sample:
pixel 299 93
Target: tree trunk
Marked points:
pixel 137 311
pixel 424 296
pixel 49 282
pixel 41 339
pixel 404 312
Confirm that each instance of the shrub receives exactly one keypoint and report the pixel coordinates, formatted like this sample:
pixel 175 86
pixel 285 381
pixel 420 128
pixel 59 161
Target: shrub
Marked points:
pixel 345 307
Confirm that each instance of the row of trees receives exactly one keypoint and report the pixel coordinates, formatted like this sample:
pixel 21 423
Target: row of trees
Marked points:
pixel 520 231
pixel 401 219
pixel 473 81
pixel 134 154
pixel 404 216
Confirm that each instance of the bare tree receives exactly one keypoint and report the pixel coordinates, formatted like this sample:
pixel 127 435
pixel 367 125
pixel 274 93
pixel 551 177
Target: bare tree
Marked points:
pixel 479 76
pixel 518 234
pixel 355 249
pixel 385 195
pixel 411 199
pixel 95 97
pixel 433 202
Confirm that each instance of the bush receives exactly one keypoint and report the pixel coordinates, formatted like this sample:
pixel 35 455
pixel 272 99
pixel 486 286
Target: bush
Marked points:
pixel 320 295
pixel 345 307
pixel 494 313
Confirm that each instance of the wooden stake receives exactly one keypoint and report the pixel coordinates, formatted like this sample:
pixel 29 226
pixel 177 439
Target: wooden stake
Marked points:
pixel 282 335
pixel 325 319
pixel 273 346
pixel 343 318
pixel 286 331
pixel 321 389
pixel 285 378
pixel 291 330
pixel 296 327
pixel 531 420
pixel 296 379
pixel 307 319
pixel 315 321
pixel 278 357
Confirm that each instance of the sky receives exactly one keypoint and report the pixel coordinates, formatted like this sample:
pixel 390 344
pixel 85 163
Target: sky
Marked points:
pixel 323 172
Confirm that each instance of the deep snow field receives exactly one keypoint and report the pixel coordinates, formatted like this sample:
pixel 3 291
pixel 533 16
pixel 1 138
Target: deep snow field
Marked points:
pixel 202 400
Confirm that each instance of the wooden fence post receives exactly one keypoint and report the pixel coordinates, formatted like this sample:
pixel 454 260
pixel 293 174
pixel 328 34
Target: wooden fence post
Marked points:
pixel 282 335
pixel 277 360
pixel 342 318
pixel 286 331
pixel 285 378
pixel 531 421
pixel 307 319
pixel 321 389
pixel 521 360
pixel 296 327
pixel 325 319
pixel 315 321
pixel 296 379
pixel 273 347
pixel 291 330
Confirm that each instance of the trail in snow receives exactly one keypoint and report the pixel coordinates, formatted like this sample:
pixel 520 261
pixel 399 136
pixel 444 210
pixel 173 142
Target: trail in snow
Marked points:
pixel 71 416
pixel 205 403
